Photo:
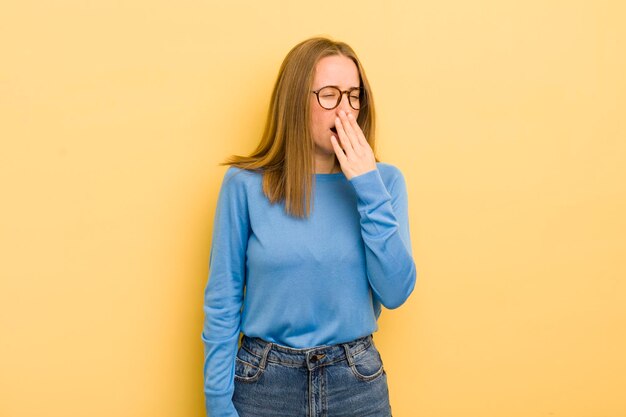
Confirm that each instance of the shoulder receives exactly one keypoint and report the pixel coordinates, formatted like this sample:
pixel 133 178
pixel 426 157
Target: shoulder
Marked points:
pixel 240 185
pixel 390 174
pixel 238 177
pixel 388 169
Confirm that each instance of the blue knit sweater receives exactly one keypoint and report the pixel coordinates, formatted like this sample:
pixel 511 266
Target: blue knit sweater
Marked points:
pixel 308 282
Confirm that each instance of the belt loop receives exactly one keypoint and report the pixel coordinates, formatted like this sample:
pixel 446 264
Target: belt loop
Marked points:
pixel 266 353
pixel 348 354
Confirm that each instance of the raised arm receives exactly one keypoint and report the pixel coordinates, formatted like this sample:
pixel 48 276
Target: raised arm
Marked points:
pixel 385 231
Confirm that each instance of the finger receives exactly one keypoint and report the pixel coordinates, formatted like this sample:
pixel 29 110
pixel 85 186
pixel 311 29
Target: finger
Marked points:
pixel 357 129
pixel 341 156
pixel 347 127
pixel 343 137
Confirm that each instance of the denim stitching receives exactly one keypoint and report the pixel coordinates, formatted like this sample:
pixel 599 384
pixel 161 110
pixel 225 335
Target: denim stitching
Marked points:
pixel 363 346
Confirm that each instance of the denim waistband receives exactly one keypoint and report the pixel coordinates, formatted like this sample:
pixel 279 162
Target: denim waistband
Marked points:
pixel 308 357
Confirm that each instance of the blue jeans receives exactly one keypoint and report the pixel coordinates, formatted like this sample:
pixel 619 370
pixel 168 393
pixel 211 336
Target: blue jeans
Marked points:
pixel 343 380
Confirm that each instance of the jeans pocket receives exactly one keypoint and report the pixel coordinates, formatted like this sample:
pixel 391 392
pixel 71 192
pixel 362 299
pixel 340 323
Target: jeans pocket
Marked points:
pixel 247 366
pixel 367 364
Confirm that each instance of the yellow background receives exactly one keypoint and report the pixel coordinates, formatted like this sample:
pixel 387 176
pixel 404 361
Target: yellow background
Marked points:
pixel 507 119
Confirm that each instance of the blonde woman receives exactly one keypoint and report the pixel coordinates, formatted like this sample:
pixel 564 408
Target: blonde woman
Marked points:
pixel 311 237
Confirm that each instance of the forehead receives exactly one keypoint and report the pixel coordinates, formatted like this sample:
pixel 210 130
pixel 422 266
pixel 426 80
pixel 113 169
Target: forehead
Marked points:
pixel 336 70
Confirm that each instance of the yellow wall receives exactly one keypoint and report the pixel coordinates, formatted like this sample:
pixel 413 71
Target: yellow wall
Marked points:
pixel 507 119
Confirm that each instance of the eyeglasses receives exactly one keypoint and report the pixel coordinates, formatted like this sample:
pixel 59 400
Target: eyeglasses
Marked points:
pixel 330 96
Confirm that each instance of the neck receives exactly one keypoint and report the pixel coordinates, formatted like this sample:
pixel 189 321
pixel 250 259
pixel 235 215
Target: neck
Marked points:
pixel 326 165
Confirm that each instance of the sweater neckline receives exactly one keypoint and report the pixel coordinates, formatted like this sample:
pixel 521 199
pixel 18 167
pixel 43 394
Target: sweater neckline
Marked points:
pixel 329 177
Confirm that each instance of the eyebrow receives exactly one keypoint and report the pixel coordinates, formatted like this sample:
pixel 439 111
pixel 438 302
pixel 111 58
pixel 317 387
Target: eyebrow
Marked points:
pixel 336 86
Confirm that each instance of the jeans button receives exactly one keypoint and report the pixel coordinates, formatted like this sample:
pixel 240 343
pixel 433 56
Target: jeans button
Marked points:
pixel 317 357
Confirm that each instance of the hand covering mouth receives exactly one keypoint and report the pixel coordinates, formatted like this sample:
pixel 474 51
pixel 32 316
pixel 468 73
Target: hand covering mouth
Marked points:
pixel 334 130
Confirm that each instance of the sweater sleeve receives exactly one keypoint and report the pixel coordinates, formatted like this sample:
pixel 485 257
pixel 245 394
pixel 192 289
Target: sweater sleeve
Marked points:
pixel 223 296
pixel 385 231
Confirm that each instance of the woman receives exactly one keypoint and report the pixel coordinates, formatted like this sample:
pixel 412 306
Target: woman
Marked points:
pixel 311 236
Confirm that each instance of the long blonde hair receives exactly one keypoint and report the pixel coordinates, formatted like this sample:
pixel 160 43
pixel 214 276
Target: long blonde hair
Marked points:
pixel 285 153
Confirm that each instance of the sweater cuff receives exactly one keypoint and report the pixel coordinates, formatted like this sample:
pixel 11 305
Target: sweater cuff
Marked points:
pixel 370 188
pixel 220 405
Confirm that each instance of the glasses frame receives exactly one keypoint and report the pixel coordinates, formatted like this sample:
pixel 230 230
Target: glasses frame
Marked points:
pixel 341 93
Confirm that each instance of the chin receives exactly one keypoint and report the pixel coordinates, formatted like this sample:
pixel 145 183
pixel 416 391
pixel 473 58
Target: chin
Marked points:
pixel 325 149
pixel 328 149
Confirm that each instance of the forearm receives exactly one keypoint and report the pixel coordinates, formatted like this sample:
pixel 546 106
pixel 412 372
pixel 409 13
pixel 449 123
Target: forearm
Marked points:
pixel 384 228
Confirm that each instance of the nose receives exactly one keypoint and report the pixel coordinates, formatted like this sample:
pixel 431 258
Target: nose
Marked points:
pixel 344 104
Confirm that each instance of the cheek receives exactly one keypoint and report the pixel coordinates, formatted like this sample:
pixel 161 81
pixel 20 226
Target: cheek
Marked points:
pixel 320 120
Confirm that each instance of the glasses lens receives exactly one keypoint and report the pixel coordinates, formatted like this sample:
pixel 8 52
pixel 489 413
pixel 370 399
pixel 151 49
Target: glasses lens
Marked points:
pixel 328 97
pixel 355 99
